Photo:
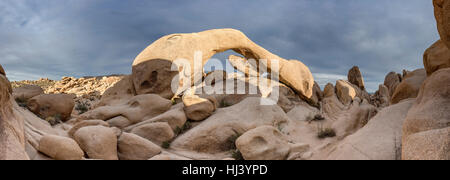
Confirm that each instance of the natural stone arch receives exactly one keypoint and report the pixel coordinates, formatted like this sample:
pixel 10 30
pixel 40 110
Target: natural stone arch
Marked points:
pixel 184 46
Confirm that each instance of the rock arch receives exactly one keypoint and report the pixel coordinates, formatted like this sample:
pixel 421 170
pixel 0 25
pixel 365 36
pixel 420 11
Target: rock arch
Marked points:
pixel 161 54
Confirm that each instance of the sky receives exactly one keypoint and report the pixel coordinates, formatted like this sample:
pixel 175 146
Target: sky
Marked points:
pixel 55 38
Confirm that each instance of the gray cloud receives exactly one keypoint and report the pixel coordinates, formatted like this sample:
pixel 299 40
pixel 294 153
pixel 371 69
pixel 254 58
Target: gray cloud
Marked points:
pixel 53 38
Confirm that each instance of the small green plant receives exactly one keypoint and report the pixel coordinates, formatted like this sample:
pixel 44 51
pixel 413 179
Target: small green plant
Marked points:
pixel 166 144
pixel 181 130
pixel 54 120
pixel 82 107
pixel 325 132
pixel 22 102
pixel 235 153
pixel 174 102
pixel 224 104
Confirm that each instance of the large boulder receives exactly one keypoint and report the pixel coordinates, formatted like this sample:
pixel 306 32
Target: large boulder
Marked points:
pixel 52 105
pixel 428 120
pixel 263 143
pixel 26 92
pixel 152 68
pixel 379 139
pixel 134 147
pixel 391 81
pixel 197 108
pixel 136 109
pixel 331 106
pixel 347 92
pixel 60 148
pixel 355 77
pixel 409 87
pixel 98 142
pixel 212 135
pixel 442 14
pixel 12 135
pixel 158 132
pixel 176 118
pixel 86 123
pixel 436 57
pixel 118 94
pixel 354 119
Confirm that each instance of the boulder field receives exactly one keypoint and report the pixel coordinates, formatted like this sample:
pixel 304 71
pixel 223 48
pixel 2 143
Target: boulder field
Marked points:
pixel 161 112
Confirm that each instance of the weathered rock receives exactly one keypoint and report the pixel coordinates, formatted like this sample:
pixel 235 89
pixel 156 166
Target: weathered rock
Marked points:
pixel 118 94
pixel 212 135
pixel 436 57
pixel 119 122
pixel 391 81
pixel 152 67
pixel 429 117
pixel 380 139
pixel 442 14
pixel 354 119
pixel 158 132
pixel 134 147
pixel 137 109
pixel 331 106
pixel 52 105
pixel 197 108
pixel 98 142
pixel 27 92
pixel 86 123
pixel 409 87
pixel 345 92
pixel 263 143
pixel 249 68
pixel 355 77
pixel 317 94
pixel 12 138
pixel 60 148
pixel 215 76
pixel 381 97
pixel 176 118
pixel 427 145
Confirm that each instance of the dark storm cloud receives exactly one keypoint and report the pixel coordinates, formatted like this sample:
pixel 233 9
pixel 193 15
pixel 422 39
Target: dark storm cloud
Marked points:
pixel 54 38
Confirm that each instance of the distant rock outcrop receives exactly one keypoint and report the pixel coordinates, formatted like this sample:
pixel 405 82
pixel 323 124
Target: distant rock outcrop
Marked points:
pixel 355 77
pixel 409 87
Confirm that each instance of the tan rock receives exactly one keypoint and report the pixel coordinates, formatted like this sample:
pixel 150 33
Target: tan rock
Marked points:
pixel 27 92
pixel 137 109
pixel 436 57
pixel 442 14
pixel 60 148
pixel 355 77
pixel 345 92
pixel 86 123
pixel 381 97
pixel 249 68
pixel 429 117
pixel 120 93
pixel 51 105
pixel 263 143
pixel 176 118
pixel 197 108
pixel 409 87
pixel 212 135
pixel 158 132
pixel 391 81
pixel 427 145
pixel 152 67
pixel 11 125
pixel 380 139
pixel 134 147
pixel 354 119
pixel 317 94
pixel 98 142
pixel 119 122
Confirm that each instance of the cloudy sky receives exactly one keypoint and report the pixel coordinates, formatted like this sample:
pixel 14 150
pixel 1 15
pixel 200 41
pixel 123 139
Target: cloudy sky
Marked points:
pixel 55 38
